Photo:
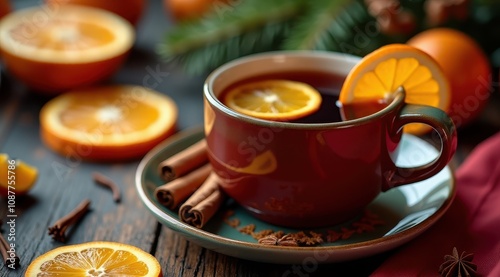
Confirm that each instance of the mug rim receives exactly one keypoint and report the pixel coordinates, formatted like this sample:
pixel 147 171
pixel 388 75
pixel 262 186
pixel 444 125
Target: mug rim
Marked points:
pixel 216 102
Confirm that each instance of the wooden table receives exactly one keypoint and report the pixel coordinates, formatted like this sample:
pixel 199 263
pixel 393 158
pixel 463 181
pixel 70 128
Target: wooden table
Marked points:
pixel 64 181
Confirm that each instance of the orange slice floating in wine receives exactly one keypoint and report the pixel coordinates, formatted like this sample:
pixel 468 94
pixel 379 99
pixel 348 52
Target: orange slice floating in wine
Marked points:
pixel 279 100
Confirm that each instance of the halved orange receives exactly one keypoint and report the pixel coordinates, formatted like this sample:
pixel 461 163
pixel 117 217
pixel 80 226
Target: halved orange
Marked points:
pixel 53 48
pixel 131 10
pixel 379 74
pixel 101 258
pixel 16 176
pixel 280 100
pixel 108 122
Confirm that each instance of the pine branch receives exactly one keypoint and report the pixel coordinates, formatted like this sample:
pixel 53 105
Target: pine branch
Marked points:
pixel 486 2
pixel 228 33
pixel 333 26
pixel 253 26
pixel 207 58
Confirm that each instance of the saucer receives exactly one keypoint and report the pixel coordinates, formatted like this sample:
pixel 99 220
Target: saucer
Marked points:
pixel 405 211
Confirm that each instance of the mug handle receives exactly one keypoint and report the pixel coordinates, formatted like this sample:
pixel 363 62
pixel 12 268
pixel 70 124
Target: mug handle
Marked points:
pixel 445 128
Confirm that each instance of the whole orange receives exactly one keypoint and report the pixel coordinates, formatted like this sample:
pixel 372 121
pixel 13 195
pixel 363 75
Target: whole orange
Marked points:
pixel 5 7
pixel 466 66
pixel 131 10
pixel 182 10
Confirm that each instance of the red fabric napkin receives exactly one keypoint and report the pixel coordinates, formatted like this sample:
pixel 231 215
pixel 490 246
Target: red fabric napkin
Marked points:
pixel 472 224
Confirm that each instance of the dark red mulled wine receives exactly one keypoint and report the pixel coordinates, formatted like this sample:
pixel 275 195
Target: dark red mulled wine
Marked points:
pixel 329 86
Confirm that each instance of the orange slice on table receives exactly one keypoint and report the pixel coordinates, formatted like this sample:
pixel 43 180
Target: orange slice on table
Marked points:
pixel 54 48
pixel 95 259
pixel 107 123
pixel 379 74
pixel 279 100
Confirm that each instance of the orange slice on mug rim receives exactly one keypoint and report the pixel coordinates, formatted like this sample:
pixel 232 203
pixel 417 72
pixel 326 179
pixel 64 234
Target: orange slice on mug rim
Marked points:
pixel 279 100
pixel 379 75
pixel 100 258
pixel 107 123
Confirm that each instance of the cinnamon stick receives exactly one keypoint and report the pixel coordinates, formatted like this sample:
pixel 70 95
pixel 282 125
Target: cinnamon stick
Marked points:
pixel 11 260
pixel 203 204
pixel 184 161
pixel 174 192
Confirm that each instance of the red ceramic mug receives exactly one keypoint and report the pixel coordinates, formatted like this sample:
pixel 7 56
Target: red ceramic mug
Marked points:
pixel 311 174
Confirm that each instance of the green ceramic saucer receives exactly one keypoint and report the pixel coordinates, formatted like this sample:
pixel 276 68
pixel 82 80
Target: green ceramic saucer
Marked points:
pixel 406 212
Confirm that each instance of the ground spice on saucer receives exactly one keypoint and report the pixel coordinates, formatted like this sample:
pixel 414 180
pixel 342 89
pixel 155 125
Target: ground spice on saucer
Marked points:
pixel 279 234
pixel 233 222
pixel 261 234
pixel 248 229
pixel 333 236
pixel 308 239
pixel 366 223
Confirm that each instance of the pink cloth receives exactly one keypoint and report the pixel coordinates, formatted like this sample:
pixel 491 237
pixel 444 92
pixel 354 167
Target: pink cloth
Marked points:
pixel 472 224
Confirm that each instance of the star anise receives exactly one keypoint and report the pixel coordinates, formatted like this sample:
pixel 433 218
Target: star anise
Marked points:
pixel 458 265
pixel 269 240
pixel 287 240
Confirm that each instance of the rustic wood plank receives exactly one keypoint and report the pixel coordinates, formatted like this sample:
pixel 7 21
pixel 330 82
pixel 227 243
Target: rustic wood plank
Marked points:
pixel 9 104
pixel 180 257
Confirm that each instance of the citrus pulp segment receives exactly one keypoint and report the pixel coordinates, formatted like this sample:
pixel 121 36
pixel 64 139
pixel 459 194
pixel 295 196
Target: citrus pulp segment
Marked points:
pixel 379 74
pixel 95 259
pixel 280 100
pixel 107 123
pixel 60 47
pixel 25 176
